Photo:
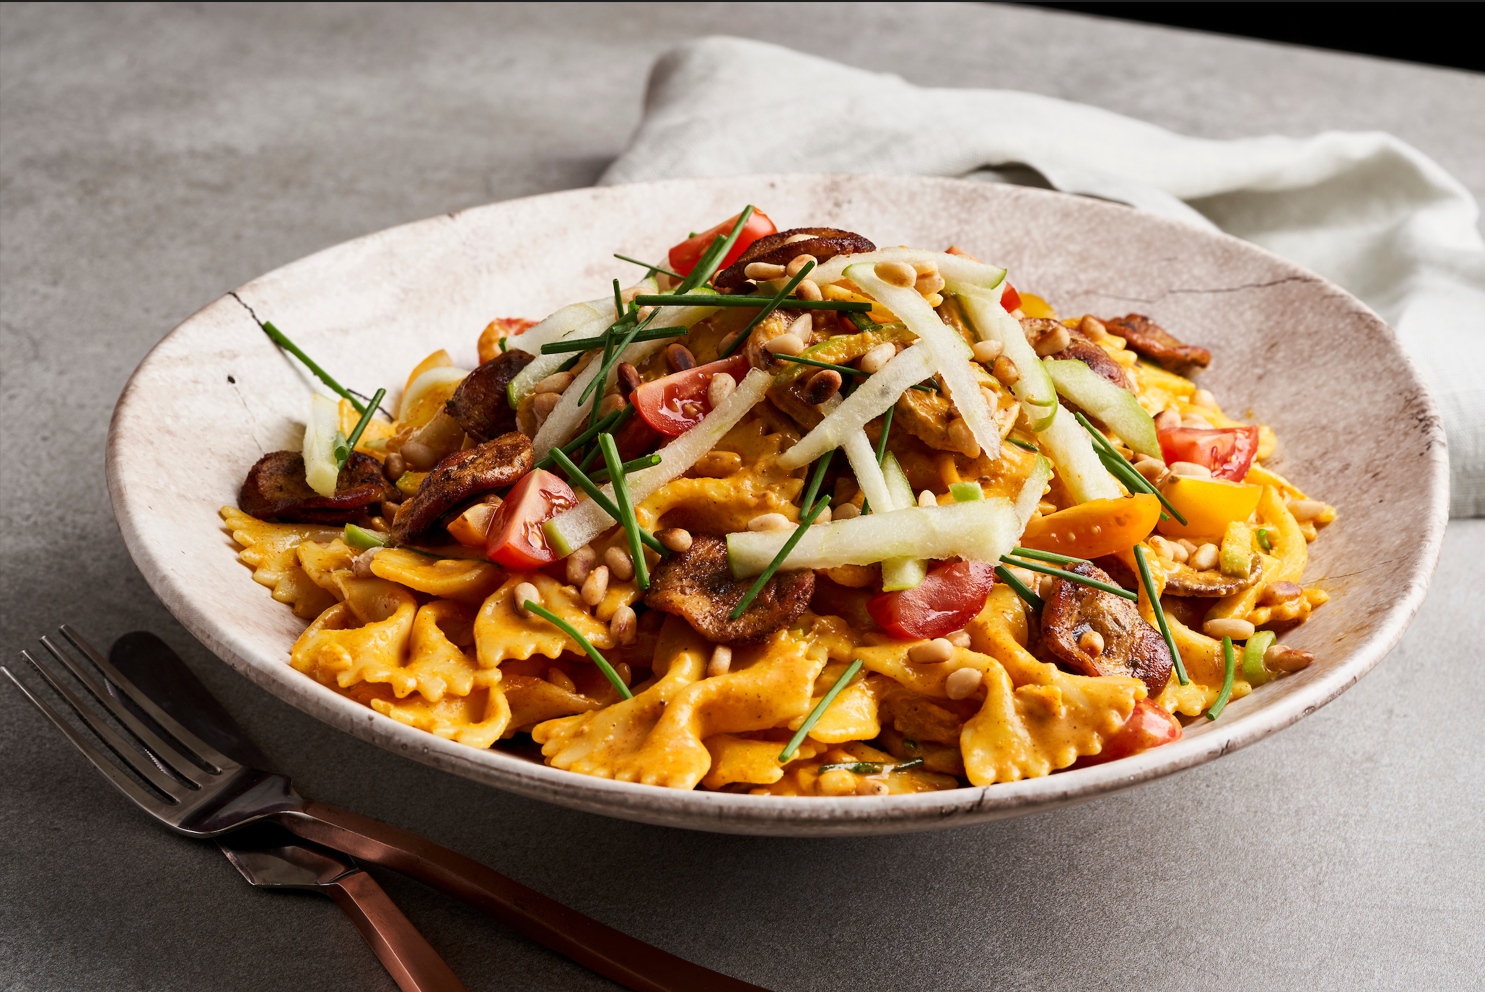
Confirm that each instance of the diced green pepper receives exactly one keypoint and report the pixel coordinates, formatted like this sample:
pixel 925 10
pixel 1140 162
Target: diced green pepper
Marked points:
pixel 966 492
pixel 1254 671
pixel 1237 549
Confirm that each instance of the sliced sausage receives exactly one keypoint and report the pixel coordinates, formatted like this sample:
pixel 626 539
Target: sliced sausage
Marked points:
pixel 822 243
pixel 275 488
pixel 1147 338
pixel 1131 647
pixel 480 404
pixel 697 585
pixel 461 476
pixel 1187 581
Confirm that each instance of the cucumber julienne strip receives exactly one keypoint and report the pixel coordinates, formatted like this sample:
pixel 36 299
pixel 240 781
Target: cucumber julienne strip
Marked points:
pixel 1071 577
pixel 819 711
pixel 626 509
pixel 362 539
pixel 881 448
pixel 1254 671
pixel 572 632
pixel 587 485
pixel 843 369
pixel 1228 671
pixel 1170 642
pixel 1032 599
pixel 806 520
pixel 870 400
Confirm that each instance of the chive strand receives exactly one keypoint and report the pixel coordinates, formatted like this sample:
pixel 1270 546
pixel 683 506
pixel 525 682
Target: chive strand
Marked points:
pixel 626 509
pixel 350 442
pixel 653 268
pixel 279 338
pixel 1126 473
pixel 634 465
pixel 843 369
pixel 1229 671
pixel 870 767
pixel 850 307
pixel 710 261
pixel 607 423
pixel 771 306
pixel 1032 599
pixel 603 666
pixel 580 479
pixel 1071 577
pixel 809 509
pixel 1170 642
pixel 589 344
pixel 1026 445
pixel 1048 556
pixel 819 711
pixel 881 451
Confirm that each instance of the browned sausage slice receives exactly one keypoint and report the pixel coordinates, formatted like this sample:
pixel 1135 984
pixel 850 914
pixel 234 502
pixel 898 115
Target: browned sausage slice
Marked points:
pixel 697 585
pixel 275 488
pixel 1145 337
pixel 480 404
pixel 1131 647
pixel 462 476
pixel 822 243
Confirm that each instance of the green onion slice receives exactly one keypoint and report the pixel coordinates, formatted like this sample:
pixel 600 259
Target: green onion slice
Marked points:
pixel 1125 472
pixel 1170 642
pixel 819 711
pixel 362 539
pixel 571 631
pixel 768 308
pixel 1229 668
pixel 1263 539
pixel 1032 599
pixel 589 344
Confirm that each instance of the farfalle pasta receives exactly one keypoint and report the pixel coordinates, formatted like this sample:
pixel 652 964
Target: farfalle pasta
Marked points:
pixel 793 516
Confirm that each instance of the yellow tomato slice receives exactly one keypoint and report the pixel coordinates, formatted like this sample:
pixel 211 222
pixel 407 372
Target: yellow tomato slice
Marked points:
pixel 1095 528
pixel 438 360
pixel 471 526
pixel 1035 306
pixel 1208 505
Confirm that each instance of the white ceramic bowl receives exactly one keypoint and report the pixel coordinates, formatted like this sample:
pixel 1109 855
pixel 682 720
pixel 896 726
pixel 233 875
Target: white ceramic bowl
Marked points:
pixel 1356 424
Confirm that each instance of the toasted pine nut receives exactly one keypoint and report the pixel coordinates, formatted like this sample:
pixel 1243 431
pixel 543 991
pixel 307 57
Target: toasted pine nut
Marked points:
pixel 1168 419
pixel 361 564
pixel 1162 547
pixel 1189 545
pixel 680 357
pixel 721 661
pixel 544 405
pixel 763 270
pixel 1205 557
pixel 927 499
pixel 959 638
pixel 846 511
pixel 1005 370
pixel 798 262
pixel 1150 468
pixel 675 538
pixel 824 517
pixel 1092 328
pixel 521 594
pixel 624 672
pixel 595 586
pixel 769 521
pixel 1204 399
pixel 896 273
pixel 802 327
pixel 419 457
pixel 1238 630
pixel 929 284
pixel 932 652
pixel 1027 577
pixel 987 351
pixel 1275 593
pixel 1305 509
pixel 580 564
pixel 794 239
pixel 877 358
pixel 836 782
pixel 872 787
pixel 821 386
pixel 611 402
pixel 1090 642
pixel 394 466
pixel 785 344
pixel 1286 659
pixel 620 565
pixel 623 626
pixel 555 383
pixel 629 379
pixel 1053 342
pixel 807 290
pixel 561 679
pixel 961 683
pixel 1196 421
pixel 1191 470
pixel 721 387
pixel 962 438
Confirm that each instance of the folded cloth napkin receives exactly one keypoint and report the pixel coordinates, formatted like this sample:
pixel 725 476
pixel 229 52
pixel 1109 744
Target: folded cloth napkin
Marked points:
pixel 1365 210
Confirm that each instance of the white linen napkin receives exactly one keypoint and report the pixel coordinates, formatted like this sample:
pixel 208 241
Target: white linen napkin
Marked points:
pixel 1366 210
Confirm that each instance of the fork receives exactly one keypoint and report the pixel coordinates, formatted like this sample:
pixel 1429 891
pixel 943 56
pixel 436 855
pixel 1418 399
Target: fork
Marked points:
pixel 204 792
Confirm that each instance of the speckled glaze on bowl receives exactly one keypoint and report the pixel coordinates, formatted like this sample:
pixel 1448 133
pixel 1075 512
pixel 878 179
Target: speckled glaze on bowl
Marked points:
pixel 1357 427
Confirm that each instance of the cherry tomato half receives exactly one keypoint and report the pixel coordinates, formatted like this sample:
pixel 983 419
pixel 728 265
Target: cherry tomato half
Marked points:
pixel 1010 299
pixel 1148 727
pixel 949 597
pixel 675 403
pixel 684 256
pixel 515 538
pixel 1227 451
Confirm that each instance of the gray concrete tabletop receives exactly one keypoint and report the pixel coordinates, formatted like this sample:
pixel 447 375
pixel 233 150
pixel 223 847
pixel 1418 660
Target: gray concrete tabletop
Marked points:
pixel 154 156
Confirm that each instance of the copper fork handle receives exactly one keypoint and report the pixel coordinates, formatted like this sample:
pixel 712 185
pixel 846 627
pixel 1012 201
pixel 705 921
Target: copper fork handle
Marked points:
pixel 413 964
pixel 615 955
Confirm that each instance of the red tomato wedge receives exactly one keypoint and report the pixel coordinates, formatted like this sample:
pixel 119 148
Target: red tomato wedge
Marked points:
pixel 684 256
pixel 1148 727
pixel 676 403
pixel 1010 299
pixel 515 538
pixel 947 599
pixel 1227 451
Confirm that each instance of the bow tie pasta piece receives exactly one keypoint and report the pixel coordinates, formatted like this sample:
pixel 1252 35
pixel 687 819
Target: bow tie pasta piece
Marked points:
pixel 271 551
pixel 501 632
pixel 476 720
pixel 533 700
pixel 327 564
pixel 753 762
pixel 854 715
pixel 369 632
pixel 465 579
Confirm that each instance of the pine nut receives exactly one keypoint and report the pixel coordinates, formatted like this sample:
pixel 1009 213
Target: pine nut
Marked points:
pixel 557 382
pixel 824 517
pixel 962 439
pixel 1286 659
pixel 1053 342
pixel 721 661
pixel 680 357
pixel 785 344
pixel 721 387
pixel 763 271
pixel 987 351
pixel 802 327
pixel 623 626
pixel 561 679
pixel 847 511
pixel 770 521
pixel 624 672
pixel 1305 509
pixel 1090 642
pixel 1163 548
pixel 394 466
pixel 629 379
pixel 620 565
pixel 1205 557
pixel 1092 328
pixel 798 262
pixel 1275 593
pixel 1191 470
pixel 961 683
pixel 1168 419
pixel 675 538
pixel 927 499
pixel 727 340
pixel 419 457
pixel 836 782
pixel 821 386
pixel 877 358
pixel 1028 578
pixel 960 638
pixel 928 285
pixel 1204 399
pixel 523 593
pixel 361 564
pixel 544 405
pixel 580 564
pixel 611 403
pixel 1005 370
pixel 1178 553
pixel 1196 421
pixel 1189 545
pixel 807 290
pixel 899 274
pixel 595 586
pixel 873 787
pixel 1150 468
pixel 794 239
pixel 1238 630
pixel 933 652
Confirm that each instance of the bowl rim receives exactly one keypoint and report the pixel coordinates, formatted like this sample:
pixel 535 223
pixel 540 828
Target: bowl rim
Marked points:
pixel 741 813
